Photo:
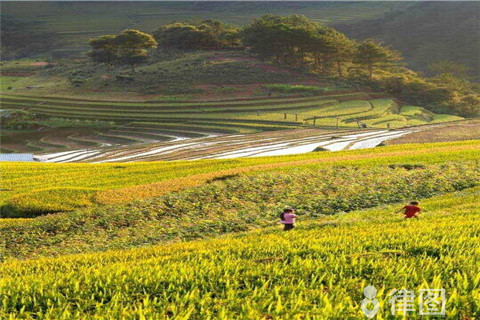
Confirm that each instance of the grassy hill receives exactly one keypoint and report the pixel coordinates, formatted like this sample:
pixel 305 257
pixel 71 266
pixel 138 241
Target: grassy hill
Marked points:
pixel 318 271
pixel 199 239
pixel 185 95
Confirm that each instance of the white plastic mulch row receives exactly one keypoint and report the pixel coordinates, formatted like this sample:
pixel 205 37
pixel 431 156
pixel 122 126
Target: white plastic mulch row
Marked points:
pixel 371 143
pixel 148 153
pixel 336 144
pixel 260 148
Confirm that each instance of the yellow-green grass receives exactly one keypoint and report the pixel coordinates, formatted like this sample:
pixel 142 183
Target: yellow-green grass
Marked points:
pixel 99 103
pixel 329 109
pixel 379 113
pixel 445 118
pixel 411 111
pixel 317 271
pixel 232 203
pixel 8 82
pixel 198 109
pixel 34 185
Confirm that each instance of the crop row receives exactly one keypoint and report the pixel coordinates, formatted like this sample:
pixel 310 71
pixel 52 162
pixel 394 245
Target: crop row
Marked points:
pixel 30 184
pixel 175 105
pixel 313 192
pixel 318 271
pixel 41 108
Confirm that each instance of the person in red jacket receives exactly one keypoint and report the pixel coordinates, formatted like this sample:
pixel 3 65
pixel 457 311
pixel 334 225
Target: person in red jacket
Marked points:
pixel 411 210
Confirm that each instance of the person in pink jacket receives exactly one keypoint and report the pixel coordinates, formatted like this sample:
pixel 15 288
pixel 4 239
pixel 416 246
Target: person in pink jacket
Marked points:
pixel 288 219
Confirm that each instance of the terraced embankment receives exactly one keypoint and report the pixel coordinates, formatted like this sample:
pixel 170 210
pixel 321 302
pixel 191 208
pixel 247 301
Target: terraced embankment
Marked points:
pixel 140 123
pixel 343 108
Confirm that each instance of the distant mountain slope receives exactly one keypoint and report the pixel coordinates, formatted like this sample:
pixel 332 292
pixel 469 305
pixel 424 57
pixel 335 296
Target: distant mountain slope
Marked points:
pixel 74 22
pixel 428 31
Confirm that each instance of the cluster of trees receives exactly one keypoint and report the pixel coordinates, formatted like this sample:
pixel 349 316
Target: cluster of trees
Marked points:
pixel 293 40
pixel 128 48
pixel 426 31
pixel 299 42
pixel 448 91
pixel 206 34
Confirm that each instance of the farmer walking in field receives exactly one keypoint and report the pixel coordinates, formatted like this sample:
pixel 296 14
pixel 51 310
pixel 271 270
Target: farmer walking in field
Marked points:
pixel 411 210
pixel 288 219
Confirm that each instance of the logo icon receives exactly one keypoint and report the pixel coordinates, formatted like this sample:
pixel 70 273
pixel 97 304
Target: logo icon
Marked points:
pixel 432 302
pixel 370 292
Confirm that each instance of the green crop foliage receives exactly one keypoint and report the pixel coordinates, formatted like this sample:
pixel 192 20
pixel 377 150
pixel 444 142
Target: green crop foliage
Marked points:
pixel 298 88
pixel 376 113
pixel 131 181
pixel 346 237
pixel 411 110
pixel 291 111
pixel 318 271
pixel 445 118
pixel 224 204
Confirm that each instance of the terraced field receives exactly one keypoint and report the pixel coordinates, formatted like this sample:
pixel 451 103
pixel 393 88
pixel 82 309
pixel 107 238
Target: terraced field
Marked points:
pixel 162 257
pixel 346 107
pixel 75 138
pixel 57 186
pixel 233 146
pixel 124 111
pixel 140 123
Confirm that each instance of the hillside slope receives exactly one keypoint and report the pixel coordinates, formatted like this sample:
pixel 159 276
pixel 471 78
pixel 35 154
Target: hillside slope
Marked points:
pixel 183 96
pixel 113 182
pixel 318 271
pixel 428 31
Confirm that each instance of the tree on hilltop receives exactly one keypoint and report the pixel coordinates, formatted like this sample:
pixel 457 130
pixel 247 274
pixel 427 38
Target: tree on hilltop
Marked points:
pixel 370 54
pixel 283 39
pixel 129 47
pixel 133 47
pixel 332 49
pixel 205 34
pixel 104 50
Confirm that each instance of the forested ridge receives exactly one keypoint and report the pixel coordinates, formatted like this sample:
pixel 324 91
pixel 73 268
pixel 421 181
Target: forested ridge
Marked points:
pixel 428 31
pixel 309 47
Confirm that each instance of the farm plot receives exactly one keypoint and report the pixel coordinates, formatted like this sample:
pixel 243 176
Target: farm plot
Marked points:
pixel 453 131
pixel 339 255
pixel 343 109
pixel 54 140
pixel 375 113
pixel 52 187
pixel 226 146
pixel 151 122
